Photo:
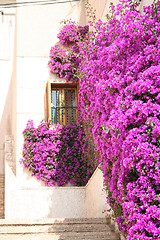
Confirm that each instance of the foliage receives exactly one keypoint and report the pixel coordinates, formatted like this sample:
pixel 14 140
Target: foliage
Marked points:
pixel 57 155
pixel 64 56
pixel 71 33
pixel 120 98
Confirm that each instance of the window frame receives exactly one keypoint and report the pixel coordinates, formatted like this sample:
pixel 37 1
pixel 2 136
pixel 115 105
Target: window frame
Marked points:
pixel 51 84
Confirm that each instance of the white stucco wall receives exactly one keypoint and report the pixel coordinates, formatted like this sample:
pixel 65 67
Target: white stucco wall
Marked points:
pixel 96 196
pixel 38 26
pixel 6 79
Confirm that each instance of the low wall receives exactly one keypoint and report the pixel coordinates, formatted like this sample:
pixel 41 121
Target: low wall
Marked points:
pixel 96 204
pixel 38 201
pixel 45 203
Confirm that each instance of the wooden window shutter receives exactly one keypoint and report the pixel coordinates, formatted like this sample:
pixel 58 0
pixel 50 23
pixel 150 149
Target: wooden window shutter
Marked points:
pixel 49 113
pixel 45 104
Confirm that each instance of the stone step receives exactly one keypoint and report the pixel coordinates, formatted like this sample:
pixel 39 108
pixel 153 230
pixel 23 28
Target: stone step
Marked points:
pixel 51 221
pixel 56 228
pixel 68 229
pixel 53 236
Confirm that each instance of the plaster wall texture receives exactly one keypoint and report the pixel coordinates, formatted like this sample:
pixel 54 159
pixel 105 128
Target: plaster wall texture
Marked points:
pixel 6 81
pixel 32 74
pixel 38 26
pixel 4 48
pixel 96 196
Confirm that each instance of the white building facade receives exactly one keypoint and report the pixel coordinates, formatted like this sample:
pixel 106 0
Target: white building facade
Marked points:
pixel 27 32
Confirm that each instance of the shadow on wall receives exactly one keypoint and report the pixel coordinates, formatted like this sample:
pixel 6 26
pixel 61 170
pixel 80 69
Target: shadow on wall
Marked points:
pixel 5 125
pixel 6 130
pixel 82 13
pixel 58 202
pixel 37 201
pixel 82 16
pixel 7 99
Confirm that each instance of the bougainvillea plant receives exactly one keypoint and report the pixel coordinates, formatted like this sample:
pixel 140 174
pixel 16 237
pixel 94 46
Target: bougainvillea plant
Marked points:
pixel 64 56
pixel 120 99
pixel 71 33
pixel 56 155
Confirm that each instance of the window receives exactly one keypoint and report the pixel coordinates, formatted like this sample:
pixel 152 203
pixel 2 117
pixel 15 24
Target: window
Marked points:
pixel 62 103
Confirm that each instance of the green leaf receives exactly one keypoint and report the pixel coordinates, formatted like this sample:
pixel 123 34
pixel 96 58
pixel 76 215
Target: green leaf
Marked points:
pixel 107 130
pixel 152 124
pixel 117 132
pixel 104 128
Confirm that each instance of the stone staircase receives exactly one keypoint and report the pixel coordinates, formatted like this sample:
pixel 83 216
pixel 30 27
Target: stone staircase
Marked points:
pixel 57 229
pixel 2 189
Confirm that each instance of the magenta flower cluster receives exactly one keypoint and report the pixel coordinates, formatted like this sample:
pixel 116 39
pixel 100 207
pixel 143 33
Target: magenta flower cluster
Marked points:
pixel 72 33
pixel 64 59
pixel 63 63
pixel 119 98
pixel 56 156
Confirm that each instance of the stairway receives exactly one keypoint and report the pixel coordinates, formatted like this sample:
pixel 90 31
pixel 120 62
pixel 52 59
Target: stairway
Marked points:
pixel 57 229
pixel 2 183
